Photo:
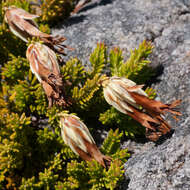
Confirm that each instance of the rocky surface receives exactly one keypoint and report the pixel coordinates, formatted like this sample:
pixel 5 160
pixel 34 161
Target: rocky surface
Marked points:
pixel 126 23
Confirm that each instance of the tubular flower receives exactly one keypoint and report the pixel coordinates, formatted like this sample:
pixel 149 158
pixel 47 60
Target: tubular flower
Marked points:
pixel 75 134
pixel 129 98
pixel 44 64
pixel 22 24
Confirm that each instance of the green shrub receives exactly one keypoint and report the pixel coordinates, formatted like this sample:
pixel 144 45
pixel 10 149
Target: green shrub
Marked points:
pixel 32 153
pixel 52 10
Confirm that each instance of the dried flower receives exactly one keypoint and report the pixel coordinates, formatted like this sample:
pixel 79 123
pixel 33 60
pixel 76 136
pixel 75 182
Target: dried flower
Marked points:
pixel 129 98
pixel 44 65
pixel 75 134
pixel 22 24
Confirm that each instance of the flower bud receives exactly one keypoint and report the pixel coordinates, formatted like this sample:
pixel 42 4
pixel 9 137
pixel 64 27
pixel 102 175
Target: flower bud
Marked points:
pixel 130 99
pixel 75 134
pixel 43 62
pixel 44 65
pixel 22 24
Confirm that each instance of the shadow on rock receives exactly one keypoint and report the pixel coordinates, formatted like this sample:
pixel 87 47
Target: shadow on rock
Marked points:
pixel 74 20
pixel 163 138
pixel 95 4
pixel 124 184
pixel 158 72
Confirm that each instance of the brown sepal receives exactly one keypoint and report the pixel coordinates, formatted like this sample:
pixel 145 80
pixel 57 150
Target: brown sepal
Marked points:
pixel 143 118
pixel 92 152
pixel 153 121
pixel 154 105
pixel 55 43
pixel 55 96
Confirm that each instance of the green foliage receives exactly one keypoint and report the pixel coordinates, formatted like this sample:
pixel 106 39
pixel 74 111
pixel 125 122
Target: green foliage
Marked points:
pixel 136 67
pixel 98 59
pixel 74 71
pixel 85 82
pixel 24 4
pixel 32 153
pixel 150 92
pixel 14 133
pixel 10 45
pixel 1 13
pixel 85 93
pixel 16 68
pixel 56 166
pixel 53 10
pixel 44 28
pixel 116 61
pixel 27 95
pixel 11 141
pixel 111 146
pixel 64 174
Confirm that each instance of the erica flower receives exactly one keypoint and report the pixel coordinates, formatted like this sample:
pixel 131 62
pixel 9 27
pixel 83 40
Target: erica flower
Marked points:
pixel 44 65
pixel 75 134
pixel 130 99
pixel 22 24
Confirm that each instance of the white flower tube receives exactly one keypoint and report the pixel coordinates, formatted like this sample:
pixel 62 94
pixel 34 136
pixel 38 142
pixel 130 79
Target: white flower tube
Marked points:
pixel 128 97
pixel 77 136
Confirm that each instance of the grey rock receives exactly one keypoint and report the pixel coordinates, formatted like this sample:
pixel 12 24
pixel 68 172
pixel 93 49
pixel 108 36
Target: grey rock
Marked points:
pixel 126 23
